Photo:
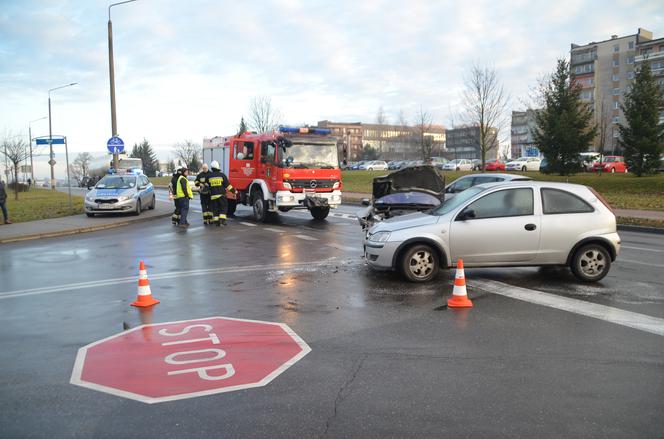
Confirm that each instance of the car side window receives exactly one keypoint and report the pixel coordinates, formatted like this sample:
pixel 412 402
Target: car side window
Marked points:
pixel 244 150
pixel 461 185
pixel 508 202
pixel 556 201
pixel 268 152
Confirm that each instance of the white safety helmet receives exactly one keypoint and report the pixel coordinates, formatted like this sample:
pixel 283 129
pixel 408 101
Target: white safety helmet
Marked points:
pixel 214 164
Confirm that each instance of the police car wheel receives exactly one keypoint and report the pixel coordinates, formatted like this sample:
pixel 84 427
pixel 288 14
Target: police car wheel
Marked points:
pixel 138 207
pixel 153 203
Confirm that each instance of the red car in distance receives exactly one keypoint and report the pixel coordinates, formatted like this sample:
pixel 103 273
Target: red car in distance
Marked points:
pixel 611 163
pixel 494 165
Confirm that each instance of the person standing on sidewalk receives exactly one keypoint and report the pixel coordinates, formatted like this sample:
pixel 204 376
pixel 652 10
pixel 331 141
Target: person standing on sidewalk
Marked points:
pixel 204 190
pixel 3 202
pixel 183 194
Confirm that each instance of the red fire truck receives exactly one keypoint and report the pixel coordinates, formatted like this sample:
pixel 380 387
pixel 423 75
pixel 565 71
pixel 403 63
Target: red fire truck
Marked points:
pixel 291 168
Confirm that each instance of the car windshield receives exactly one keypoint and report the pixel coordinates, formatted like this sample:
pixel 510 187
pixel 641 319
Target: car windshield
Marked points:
pixel 116 182
pixel 453 203
pixel 610 159
pixel 310 155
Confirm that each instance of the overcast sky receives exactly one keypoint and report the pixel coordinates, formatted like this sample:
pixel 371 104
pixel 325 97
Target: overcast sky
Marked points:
pixel 187 69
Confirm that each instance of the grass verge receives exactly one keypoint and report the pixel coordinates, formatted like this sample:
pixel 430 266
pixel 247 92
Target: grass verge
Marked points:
pixel 38 204
pixel 643 222
pixel 622 191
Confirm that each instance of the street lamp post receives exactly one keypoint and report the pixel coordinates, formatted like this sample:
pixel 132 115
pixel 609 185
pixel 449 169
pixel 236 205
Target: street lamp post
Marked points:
pixel 111 74
pixel 50 133
pixel 32 168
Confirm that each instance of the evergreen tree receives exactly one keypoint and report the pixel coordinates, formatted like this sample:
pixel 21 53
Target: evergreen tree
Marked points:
pixel 564 126
pixel 643 136
pixel 144 152
pixel 243 127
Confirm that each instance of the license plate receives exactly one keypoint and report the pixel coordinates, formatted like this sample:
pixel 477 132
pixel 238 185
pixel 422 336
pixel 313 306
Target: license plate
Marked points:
pixel 106 206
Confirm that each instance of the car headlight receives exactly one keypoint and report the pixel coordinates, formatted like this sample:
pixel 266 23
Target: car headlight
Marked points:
pixel 123 198
pixel 335 185
pixel 287 186
pixel 379 237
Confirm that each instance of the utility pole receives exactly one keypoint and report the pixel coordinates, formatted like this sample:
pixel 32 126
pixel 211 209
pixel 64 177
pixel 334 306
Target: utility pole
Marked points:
pixel 111 74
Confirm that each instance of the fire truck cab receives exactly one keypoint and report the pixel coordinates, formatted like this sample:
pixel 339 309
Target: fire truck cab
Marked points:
pixel 292 168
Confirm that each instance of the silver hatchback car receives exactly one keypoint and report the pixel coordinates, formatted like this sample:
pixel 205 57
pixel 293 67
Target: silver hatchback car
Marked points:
pixel 520 223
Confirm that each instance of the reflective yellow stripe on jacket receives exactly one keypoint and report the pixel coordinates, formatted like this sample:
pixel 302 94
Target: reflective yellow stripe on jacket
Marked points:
pixel 179 193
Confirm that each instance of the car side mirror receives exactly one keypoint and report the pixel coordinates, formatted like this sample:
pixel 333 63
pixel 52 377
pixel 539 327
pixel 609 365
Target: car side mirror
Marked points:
pixel 466 215
pixel 366 202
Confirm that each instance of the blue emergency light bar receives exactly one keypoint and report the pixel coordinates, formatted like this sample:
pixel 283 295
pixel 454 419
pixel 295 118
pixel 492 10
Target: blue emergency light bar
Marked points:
pixel 304 130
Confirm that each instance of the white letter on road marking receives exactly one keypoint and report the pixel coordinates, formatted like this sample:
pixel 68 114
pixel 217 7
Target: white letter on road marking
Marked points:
pixel 202 372
pixel 185 330
pixel 213 337
pixel 219 353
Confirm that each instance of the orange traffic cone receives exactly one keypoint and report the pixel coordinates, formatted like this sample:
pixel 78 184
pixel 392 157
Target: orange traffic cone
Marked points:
pixel 144 297
pixel 459 295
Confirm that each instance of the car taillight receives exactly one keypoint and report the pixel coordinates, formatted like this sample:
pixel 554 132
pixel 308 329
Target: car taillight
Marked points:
pixel 601 198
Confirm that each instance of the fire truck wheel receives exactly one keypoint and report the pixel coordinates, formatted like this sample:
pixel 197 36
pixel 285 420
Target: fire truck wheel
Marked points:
pixel 258 204
pixel 320 213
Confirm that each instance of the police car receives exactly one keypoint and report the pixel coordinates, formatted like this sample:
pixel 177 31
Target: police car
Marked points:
pixel 120 193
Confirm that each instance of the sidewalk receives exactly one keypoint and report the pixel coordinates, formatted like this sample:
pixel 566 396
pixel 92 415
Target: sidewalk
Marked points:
pixel 356 198
pixel 70 225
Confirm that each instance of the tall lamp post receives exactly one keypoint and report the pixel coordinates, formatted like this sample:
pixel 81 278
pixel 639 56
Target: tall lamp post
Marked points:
pixel 111 74
pixel 32 168
pixel 50 133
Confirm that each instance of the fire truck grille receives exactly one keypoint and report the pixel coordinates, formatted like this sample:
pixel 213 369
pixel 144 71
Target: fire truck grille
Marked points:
pixel 311 184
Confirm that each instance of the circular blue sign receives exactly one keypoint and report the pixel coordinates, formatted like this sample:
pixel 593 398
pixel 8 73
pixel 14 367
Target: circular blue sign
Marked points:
pixel 115 145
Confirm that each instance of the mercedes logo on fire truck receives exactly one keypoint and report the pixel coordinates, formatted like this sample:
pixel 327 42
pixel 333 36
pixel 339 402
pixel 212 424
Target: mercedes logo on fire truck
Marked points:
pixel 313 184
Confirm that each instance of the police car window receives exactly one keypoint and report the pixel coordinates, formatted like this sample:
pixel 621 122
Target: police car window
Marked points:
pixel 510 202
pixel 555 201
pixel 244 150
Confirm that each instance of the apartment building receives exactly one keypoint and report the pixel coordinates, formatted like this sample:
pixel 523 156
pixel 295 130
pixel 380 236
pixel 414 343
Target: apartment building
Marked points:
pixel 652 52
pixel 397 142
pixel 464 143
pixel 605 70
pixel 349 138
pixel 522 130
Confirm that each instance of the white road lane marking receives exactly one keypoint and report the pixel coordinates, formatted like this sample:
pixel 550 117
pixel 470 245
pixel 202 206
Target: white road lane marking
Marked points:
pixel 630 319
pixel 247 224
pixel 273 230
pixel 169 275
pixel 306 237
pixel 344 247
pixel 642 249
pixel 632 261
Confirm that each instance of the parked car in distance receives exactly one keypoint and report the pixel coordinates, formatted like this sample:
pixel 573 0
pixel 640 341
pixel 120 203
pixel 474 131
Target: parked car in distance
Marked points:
pixel 374 165
pixel 525 223
pixel 458 165
pixel 494 165
pixel 477 164
pixel 394 165
pixel 612 164
pixel 356 165
pixel 467 181
pixel 523 164
pixel 588 160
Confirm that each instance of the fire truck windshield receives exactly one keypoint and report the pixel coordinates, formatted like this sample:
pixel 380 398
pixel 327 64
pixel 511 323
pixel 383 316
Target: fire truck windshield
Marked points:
pixel 310 155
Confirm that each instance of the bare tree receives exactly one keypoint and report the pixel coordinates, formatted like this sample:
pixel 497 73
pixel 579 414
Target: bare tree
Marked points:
pixel 381 119
pixel 423 122
pixel 263 116
pixel 485 105
pixel 82 164
pixel 604 127
pixel 15 150
pixel 188 154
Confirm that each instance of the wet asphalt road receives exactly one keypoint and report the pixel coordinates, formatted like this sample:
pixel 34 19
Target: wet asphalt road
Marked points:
pixel 386 360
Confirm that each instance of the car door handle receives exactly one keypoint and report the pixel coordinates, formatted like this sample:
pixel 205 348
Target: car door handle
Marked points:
pixel 530 227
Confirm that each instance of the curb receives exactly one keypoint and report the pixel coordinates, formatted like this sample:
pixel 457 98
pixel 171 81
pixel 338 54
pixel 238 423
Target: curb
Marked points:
pixel 641 229
pixel 82 230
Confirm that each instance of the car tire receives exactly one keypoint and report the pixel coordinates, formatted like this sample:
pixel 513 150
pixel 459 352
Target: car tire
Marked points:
pixel 591 263
pixel 319 213
pixel 139 208
pixel 523 169
pixel 258 204
pixel 457 169
pixel 613 170
pixel 419 263
pixel 153 204
pixel 89 215
pixel 369 169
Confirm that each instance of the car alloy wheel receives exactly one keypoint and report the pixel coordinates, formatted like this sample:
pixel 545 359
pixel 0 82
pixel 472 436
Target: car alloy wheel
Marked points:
pixel 613 170
pixel 420 263
pixel 591 263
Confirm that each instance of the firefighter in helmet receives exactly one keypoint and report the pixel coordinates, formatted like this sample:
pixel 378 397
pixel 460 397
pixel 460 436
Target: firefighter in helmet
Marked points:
pixel 219 184
pixel 175 218
pixel 203 186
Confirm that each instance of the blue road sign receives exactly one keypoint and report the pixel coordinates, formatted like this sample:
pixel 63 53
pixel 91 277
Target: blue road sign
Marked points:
pixel 56 141
pixel 115 145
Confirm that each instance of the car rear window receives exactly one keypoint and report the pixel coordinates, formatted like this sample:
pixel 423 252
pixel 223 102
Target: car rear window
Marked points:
pixel 556 201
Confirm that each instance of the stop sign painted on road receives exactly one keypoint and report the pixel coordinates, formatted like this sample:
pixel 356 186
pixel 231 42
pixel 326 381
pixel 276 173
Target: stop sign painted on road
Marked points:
pixel 176 360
